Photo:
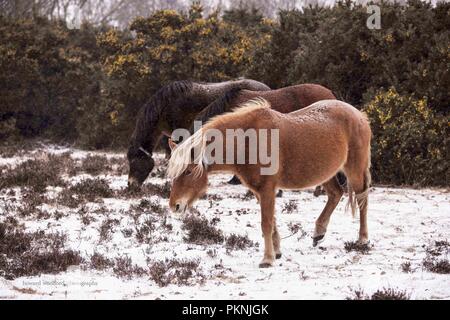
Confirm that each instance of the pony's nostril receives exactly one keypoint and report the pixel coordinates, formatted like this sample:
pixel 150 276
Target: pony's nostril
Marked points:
pixel 177 207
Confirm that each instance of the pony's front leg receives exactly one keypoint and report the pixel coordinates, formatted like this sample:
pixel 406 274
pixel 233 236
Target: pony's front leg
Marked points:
pixel 276 240
pixel 267 224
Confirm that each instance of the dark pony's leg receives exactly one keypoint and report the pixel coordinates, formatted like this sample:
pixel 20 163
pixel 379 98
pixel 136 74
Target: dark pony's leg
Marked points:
pixel 235 181
pixel 342 180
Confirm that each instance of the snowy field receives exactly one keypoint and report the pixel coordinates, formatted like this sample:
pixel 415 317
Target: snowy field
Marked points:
pixel 134 249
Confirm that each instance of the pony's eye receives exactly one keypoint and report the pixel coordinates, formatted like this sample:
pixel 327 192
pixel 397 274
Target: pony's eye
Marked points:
pixel 188 171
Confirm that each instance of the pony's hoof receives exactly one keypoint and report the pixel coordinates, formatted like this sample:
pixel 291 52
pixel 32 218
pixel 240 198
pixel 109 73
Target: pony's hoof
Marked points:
pixel 363 242
pixel 318 239
pixel 278 256
pixel 280 193
pixel 265 265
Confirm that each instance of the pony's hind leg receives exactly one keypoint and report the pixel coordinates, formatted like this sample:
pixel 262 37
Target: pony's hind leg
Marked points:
pixel 276 240
pixel 334 192
pixel 267 202
pixel 363 199
pixel 359 183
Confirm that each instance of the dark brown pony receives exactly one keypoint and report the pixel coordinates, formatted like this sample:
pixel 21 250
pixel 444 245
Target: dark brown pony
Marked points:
pixel 173 106
pixel 283 100
pixel 314 144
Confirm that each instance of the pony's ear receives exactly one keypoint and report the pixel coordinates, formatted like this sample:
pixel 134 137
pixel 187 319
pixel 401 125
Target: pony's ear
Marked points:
pixel 172 144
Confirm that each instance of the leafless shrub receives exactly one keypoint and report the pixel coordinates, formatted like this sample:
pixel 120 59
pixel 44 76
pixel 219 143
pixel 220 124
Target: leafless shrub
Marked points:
pixel 31 200
pixel 406 267
pixel 160 190
pixel 214 197
pixel 30 254
pixel 381 294
pixel 290 207
pixel 87 190
pixel 295 228
pixel 84 213
pixel 212 253
pixel 358 247
pixel 200 231
pixel 92 189
pixel 154 206
pixel 100 262
pixel 36 173
pixel 124 268
pixel 436 257
pixel 238 242
pixel 127 232
pixel 147 189
pixel 95 165
pixel 174 271
pixel 144 229
pixel 106 228
pixel 119 165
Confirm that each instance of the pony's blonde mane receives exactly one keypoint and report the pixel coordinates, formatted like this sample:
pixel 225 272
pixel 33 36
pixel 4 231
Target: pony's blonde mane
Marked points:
pixel 181 156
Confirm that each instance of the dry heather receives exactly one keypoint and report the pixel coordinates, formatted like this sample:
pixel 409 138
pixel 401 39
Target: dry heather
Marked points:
pixel 124 268
pixel 36 173
pixel 357 247
pixel 30 254
pixel 87 190
pixel 290 207
pixel 201 231
pixel 238 242
pixel 174 271
pixel 381 294
pixel 436 259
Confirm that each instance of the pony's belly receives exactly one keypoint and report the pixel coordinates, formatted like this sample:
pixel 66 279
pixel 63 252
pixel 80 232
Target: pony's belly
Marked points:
pixel 309 174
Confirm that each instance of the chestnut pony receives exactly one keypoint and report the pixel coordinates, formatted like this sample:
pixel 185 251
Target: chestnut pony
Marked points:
pixel 284 100
pixel 314 144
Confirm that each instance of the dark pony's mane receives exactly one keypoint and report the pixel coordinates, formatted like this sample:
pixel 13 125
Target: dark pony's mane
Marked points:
pixel 152 111
pixel 218 106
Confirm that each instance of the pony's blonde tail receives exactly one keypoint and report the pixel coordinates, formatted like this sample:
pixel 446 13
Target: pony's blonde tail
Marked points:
pixel 354 198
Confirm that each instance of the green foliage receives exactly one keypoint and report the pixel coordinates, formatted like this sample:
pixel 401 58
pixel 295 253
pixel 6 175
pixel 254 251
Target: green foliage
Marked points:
pixel 410 143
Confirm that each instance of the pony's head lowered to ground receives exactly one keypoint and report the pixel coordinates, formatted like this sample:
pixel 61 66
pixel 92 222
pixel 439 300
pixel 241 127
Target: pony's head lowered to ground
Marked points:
pixel 147 132
pixel 226 141
pixel 187 168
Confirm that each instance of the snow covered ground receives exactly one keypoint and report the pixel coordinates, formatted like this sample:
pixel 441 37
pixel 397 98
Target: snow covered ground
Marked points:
pixel 402 223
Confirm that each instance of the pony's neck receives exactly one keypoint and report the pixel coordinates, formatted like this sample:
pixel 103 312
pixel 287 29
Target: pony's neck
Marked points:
pixel 222 127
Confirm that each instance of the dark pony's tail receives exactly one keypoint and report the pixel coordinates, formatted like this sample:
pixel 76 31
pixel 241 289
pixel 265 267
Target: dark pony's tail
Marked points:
pixel 218 106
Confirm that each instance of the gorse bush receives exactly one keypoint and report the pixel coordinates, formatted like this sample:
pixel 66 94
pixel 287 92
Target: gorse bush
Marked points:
pixel 86 85
pixel 171 46
pixel 47 72
pixel 411 141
